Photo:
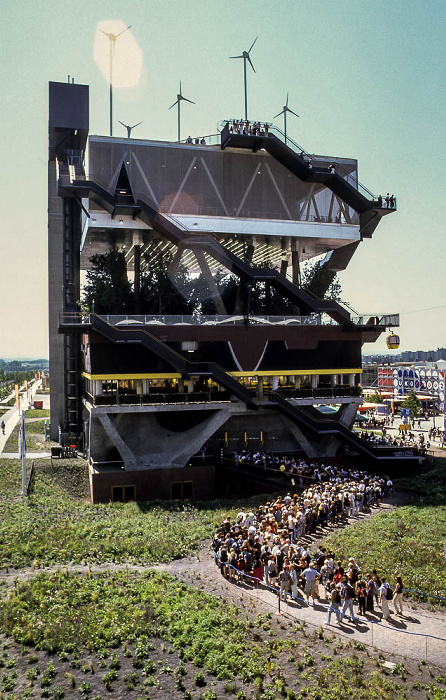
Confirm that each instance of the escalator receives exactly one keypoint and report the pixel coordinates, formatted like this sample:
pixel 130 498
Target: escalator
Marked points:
pixel 174 359
pixel 369 211
pixel 306 417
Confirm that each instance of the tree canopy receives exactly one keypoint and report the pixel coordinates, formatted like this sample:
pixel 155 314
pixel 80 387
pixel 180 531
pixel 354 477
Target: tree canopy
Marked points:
pixel 413 402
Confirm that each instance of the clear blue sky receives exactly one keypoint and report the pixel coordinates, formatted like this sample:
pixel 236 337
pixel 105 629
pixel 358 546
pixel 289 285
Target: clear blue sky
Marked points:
pixel 367 78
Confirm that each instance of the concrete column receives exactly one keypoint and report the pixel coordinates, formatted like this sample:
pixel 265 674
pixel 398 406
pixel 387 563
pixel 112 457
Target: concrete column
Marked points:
pixel 259 388
pixel 275 383
pixel 314 381
pixel 190 385
pixel 137 241
pixel 146 386
pixel 181 386
pixel 351 379
pixel 139 387
pixel 97 387
pixel 334 380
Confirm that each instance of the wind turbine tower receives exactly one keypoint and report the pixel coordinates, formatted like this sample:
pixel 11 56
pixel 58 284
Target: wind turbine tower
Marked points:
pixel 284 111
pixel 112 40
pixel 178 102
pixel 246 57
pixel 130 128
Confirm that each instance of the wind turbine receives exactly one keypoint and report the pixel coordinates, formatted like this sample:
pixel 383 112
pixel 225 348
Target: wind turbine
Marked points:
pixel 129 128
pixel 178 102
pixel 284 111
pixel 246 57
pixel 112 38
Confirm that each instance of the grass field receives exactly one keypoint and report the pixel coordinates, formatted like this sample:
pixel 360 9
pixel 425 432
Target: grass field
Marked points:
pixel 150 635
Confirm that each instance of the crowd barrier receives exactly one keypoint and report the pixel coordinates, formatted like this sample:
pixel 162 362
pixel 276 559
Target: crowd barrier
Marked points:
pixel 335 611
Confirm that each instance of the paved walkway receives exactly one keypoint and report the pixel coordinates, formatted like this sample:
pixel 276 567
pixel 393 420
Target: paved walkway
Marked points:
pixel 12 417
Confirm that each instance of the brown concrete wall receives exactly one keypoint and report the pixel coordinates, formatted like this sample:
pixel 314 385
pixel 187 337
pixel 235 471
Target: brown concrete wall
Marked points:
pixel 152 484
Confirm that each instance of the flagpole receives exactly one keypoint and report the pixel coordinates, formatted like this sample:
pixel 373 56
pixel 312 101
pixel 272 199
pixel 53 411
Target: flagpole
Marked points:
pixel 23 453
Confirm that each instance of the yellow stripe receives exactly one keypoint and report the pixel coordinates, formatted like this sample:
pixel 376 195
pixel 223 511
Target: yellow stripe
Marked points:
pixel 117 377
pixel 267 373
pixel 294 372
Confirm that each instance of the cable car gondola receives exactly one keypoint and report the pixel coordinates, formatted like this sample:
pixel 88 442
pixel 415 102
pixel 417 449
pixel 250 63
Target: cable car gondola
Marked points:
pixel 393 341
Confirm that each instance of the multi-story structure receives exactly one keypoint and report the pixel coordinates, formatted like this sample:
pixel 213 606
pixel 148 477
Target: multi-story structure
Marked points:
pixel 146 394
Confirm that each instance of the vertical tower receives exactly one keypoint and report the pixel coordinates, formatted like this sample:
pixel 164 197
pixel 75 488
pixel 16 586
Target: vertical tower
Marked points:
pixel 68 129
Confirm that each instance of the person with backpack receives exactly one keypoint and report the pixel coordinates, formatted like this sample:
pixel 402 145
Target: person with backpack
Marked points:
pixel 385 594
pixel 347 596
pixel 334 603
pixel 361 595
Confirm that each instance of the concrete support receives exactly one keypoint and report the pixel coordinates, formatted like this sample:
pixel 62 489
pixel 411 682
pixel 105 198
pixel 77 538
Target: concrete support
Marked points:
pixel 275 383
pixel 259 388
pixel 97 387
pixel 190 385
pixel 309 449
pixel 137 277
pixel 126 453
pixel 334 380
pixel 314 381
pixel 351 379
pixel 347 414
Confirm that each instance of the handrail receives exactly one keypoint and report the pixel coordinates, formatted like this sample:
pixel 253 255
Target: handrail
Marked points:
pixel 83 318
pixel 287 140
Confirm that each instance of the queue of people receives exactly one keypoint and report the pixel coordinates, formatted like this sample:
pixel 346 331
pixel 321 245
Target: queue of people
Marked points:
pixel 264 546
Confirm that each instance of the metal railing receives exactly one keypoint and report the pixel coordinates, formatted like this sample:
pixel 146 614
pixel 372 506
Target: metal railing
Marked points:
pixel 381 201
pixel 84 318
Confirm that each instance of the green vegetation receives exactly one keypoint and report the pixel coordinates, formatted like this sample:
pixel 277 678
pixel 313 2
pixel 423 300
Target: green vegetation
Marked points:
pixel 150 631
pixel 429 485
pixel 402 542
pixel 413 402
pixel 52 527
pixel 410 540
pixel 375 397
pixel 139 634
pixel 35 438
pixel 37 413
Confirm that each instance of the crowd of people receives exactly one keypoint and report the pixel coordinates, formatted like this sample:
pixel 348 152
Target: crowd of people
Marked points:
pixel 268 545
pixel 244 126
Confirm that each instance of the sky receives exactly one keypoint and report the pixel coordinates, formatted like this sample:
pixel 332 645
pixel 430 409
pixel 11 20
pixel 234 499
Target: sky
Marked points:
pixel 366 78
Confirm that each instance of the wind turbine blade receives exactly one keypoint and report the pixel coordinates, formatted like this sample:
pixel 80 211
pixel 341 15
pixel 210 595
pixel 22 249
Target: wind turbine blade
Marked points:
pixel 291 112
pixel 278 115
pixel 286 103
pixel 186 100
pixel 124 30
pixel 236 56
pixel 135 125
pixel 105 33
pixel 253 43
pixel 250 63
pixel 124 124
pixel 173 104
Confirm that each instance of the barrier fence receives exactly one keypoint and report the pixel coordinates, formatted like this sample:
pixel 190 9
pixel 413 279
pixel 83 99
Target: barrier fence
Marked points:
pixel 436 653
